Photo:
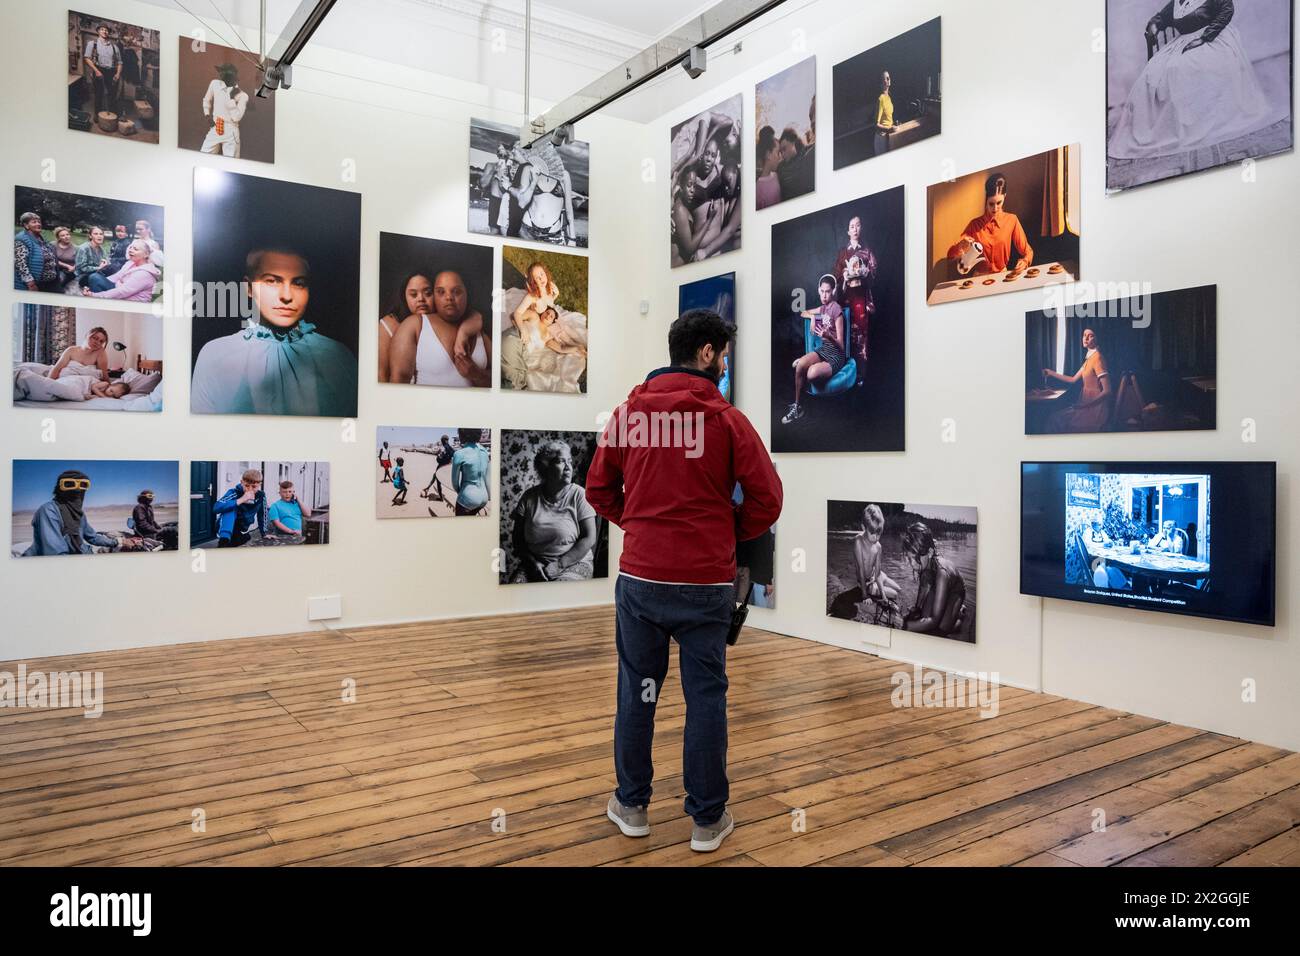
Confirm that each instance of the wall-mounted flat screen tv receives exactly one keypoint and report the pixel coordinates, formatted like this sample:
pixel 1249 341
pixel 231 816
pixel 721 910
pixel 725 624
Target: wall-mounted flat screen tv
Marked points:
pixel 1183 537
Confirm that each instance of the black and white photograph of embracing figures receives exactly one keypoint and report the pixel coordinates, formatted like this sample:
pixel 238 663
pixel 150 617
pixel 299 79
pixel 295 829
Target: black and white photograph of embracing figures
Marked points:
pixel 905 566
pixel 538 193
pixel 705 192
pixel 1194 84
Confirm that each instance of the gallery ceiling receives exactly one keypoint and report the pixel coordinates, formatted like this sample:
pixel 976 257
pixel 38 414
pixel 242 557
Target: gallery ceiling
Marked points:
pixel 574 41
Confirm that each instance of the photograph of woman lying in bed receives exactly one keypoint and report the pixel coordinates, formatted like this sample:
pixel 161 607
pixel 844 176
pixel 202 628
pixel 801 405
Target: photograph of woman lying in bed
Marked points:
pixel 86 359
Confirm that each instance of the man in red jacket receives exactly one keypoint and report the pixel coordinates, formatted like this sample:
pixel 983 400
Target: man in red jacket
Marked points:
pixel 665 470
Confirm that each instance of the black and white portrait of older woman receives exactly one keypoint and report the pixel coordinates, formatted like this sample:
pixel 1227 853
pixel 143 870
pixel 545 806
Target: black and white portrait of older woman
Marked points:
pixel 1193 84
pixel 548 530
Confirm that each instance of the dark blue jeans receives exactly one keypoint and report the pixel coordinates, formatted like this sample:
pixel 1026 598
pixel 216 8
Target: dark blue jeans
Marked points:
pixel 698 617
pixel 99 282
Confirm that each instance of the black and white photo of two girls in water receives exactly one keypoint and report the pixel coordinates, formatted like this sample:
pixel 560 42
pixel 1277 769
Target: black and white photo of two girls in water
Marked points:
pixel 538 193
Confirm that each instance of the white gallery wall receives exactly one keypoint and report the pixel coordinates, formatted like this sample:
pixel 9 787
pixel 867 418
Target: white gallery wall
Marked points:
pixel 405 134
pixel 1021 83
pixel 1016 84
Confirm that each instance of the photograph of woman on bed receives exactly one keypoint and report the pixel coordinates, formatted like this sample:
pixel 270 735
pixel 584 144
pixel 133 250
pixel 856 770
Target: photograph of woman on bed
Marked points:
pixel 96 360
pixel 544 321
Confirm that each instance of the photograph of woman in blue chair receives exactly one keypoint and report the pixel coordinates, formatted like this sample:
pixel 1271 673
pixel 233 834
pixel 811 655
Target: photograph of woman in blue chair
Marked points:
pixel 837 328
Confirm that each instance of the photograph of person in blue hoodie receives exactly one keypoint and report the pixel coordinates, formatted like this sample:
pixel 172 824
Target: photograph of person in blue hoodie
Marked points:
pixel 239 509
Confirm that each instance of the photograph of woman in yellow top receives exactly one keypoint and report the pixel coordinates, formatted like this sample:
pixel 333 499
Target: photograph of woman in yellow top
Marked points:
pixel 884 115
pixel 889 96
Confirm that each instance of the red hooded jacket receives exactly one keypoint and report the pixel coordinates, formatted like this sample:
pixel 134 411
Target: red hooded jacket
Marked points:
pixel 665 470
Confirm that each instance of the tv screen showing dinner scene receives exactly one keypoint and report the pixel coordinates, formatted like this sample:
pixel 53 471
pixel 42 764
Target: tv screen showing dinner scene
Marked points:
pixel 1182 537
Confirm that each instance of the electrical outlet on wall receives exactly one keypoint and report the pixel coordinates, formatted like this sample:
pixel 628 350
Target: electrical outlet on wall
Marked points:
pixel 328 608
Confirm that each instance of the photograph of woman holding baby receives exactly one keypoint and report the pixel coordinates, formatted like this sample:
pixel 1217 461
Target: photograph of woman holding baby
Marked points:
pixel 543 321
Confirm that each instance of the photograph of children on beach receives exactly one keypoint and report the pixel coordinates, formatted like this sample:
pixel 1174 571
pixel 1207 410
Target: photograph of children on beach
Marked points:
pixel 904 566
pixel 64 507
pixel 432 472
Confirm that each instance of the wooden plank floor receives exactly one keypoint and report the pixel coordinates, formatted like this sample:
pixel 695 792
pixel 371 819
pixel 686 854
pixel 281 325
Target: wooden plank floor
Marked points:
pixel 458 725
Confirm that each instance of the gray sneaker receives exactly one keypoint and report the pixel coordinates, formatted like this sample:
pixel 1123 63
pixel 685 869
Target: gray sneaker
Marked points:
pixel 633 821
pixel 793 414
pixel 707 839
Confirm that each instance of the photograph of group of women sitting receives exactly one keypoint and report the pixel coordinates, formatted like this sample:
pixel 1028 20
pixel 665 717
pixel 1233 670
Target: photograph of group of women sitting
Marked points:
pixel 87 246
pixel 87 359
pixel 432 472
pixel 1142 364
pixel 63 507
pixel 275 331
pixel 259 504
pixel 543 321
pixel 549 532
pixel 705 205
pixel 434 295
pixel 904 566
pixel 1142 533
pixel 837 328
pixel 538 193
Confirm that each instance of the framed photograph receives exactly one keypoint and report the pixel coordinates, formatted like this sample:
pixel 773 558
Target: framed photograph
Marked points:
pixel 548 530
pixel 1014 226
pixel 435 308
pixel 88 359
pixel 1194 84
pixel 113 78
pixel 543 321
pixel 74 507
pixel 432 472
pixel 218 110
pixel 785 128
pixel 539 193
pixel 718 294
pixel 1142 364
pixel 277 266
pixel 837 328
pixel 259 504
pixel 704 207
pixel 905 566
pixel 889 96
pixel 99 250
